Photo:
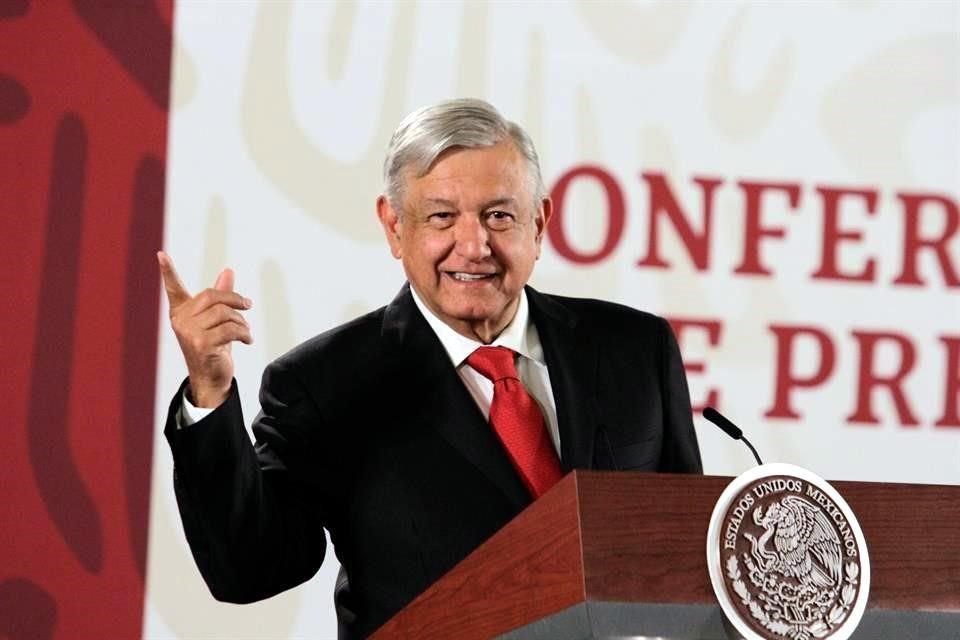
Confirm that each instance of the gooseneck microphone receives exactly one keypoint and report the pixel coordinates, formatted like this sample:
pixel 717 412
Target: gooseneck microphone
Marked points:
pixel 729 428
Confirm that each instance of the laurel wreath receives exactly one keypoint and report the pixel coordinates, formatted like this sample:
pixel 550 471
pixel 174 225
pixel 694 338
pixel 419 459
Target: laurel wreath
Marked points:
pixel 817 629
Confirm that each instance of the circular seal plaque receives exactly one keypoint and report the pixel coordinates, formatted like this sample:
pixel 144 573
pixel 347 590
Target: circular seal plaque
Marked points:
pixel 786 557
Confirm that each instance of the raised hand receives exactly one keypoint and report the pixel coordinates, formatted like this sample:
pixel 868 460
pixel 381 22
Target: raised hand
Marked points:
pixel 205 325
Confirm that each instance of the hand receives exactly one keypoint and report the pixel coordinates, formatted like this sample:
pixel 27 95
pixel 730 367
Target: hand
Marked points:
pixel 205 325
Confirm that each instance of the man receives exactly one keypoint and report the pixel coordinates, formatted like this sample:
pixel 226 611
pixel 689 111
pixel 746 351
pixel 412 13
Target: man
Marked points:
pixel 395 432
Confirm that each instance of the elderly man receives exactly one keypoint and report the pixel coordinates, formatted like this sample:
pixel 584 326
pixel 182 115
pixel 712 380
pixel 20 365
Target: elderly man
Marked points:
pixel 416 431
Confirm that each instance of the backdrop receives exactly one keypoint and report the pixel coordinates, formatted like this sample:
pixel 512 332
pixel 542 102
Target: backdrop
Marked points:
pixel 781 181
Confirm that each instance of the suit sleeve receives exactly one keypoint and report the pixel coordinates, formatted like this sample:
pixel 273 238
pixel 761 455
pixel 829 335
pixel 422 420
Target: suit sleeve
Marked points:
pixel 253 527
pixel 680 453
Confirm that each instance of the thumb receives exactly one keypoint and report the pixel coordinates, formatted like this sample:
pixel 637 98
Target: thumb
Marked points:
pixel 224 280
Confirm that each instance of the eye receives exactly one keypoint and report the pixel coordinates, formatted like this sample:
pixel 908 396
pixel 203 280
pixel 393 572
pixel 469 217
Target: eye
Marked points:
pixel 500 220
pixel 440 219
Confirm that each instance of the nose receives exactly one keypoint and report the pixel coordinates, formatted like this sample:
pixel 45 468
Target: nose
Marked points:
pixel 472 238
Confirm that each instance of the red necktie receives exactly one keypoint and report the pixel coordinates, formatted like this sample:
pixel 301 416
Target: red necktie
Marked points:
pixel 517 421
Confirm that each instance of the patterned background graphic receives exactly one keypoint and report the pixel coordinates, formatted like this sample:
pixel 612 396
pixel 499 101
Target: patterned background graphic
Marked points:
pixel 646 115
pixel 779 179
pixel 83 122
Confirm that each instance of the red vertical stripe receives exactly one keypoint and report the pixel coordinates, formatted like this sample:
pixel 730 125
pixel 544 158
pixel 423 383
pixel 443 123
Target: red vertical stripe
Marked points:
pixel 83 122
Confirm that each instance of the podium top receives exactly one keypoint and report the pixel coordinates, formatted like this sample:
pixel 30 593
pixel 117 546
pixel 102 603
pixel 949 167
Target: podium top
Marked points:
pixel 640 538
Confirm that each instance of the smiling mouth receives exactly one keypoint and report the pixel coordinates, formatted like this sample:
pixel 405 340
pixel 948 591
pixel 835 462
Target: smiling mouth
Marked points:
pixel 461 276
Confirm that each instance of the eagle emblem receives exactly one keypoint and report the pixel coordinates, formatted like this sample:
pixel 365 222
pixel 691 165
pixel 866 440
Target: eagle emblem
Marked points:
pixel 806 546
pixel 786 556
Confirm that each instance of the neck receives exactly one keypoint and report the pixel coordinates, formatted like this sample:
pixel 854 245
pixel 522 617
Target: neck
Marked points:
pixel 486 330
pixel 482 332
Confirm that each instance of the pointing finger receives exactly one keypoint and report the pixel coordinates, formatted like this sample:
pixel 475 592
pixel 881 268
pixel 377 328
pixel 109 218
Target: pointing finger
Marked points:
pixel 177 293
pixel 224 280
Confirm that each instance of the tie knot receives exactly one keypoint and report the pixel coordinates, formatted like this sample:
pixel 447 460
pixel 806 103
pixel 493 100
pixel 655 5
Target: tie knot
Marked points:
pixel 493 363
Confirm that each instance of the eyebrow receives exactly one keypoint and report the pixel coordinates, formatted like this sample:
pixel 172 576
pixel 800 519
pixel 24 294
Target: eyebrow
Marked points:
pixel 496 202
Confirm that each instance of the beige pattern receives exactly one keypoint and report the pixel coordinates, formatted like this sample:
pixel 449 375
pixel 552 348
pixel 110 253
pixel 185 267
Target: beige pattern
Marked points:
pixel 867 110
pixel 839 93
pixel 742 114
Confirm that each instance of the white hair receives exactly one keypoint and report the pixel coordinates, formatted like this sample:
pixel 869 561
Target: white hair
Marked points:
pixel 465 123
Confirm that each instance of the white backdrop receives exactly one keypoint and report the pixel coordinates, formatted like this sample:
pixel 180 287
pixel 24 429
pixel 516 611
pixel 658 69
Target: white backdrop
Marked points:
pixel 282 112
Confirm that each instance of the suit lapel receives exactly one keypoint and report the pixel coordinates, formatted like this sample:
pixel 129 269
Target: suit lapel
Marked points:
pixel 443 401
pixel 571 358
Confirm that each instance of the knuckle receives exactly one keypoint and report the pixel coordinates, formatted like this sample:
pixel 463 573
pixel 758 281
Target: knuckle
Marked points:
pixel 206 297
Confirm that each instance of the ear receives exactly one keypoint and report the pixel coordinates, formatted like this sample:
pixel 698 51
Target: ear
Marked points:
pixel 542 220
pixel 392 226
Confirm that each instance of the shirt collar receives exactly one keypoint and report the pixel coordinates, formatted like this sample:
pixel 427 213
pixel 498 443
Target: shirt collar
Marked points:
pixel 520 335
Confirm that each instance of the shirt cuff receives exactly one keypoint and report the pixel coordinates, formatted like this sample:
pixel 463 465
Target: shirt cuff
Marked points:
pixel 190 414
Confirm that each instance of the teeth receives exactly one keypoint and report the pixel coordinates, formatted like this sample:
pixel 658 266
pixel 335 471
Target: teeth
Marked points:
pixel 468 277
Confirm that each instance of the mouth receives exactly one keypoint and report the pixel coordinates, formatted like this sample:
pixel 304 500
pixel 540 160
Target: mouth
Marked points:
pixel 463 276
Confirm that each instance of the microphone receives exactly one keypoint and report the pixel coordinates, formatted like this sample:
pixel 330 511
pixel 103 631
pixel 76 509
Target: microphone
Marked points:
pixel 729 428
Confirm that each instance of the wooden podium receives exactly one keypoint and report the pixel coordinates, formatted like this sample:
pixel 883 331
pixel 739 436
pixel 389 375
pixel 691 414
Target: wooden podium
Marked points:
pixel 615 555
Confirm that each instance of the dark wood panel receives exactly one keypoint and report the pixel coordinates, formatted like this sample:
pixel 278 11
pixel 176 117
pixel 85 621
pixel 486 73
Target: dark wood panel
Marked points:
pixel 645 538
pixel 638 537
pixel 528 570
pixel 913 535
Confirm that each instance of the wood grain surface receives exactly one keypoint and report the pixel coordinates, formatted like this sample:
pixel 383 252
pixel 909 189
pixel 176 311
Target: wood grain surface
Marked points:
pixel 528 570
pixel 641 537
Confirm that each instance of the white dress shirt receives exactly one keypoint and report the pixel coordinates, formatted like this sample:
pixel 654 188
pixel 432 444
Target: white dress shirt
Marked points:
pixel 520 335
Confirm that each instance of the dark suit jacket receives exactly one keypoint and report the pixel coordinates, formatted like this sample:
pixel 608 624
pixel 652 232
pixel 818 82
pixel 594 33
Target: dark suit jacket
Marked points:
pixel 367 430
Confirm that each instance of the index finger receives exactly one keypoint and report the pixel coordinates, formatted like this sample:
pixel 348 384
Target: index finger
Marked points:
pixel 176 292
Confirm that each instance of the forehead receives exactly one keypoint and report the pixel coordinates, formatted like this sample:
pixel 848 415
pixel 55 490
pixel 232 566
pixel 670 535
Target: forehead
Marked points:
pixel 460 172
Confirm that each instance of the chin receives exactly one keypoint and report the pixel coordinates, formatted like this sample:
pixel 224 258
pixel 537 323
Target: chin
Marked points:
pixel 473 312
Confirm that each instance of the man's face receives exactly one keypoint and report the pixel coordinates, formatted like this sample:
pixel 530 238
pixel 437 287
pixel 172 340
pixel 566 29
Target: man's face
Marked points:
pixel 468 235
